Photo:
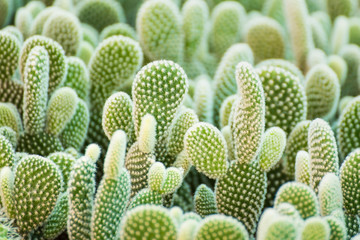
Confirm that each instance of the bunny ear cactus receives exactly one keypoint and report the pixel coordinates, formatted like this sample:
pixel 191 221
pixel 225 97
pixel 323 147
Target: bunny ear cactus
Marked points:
pixel 285 104
pixel 118 29
pixel 56 70
pixel 249 114
pixel 99 13
pixel 56 222
pixel 182 122
pixel 160 85
pixel 348 128
pixel 315 228
pixel 273 225
pixel 323 152
pixel 297 141
pixel 225 110
pixel 81 193
pixel 164 181
pixel 77 77
pixel 338 65
pixel 146 196
pixel 36 77
pixel 106 76
pixel 225 80
pixel 349 182
pixel 160 224
pixel 330 194
pixel 203 98
pixel 220 227
pixel 236 195
pixel 117 115
pixel 345 8
pixel 302 167
pixel 298 22
pixel 61 107
pixel 64 28
pixel 113 192
pixel 322 92
pixel 272 148
pixel 227 21
pixel 65 163
pixel 301 196
pixel 9 55
pixel 10 117
pixel 337 228
pixel 7 191
pixel 266 38
pixel 165 42
pixel 351 54
pixel 204 201
pixel 37 186
pixel 195 15
pixel 206 149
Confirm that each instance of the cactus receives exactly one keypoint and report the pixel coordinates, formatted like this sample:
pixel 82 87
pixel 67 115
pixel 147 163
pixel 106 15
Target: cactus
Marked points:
pixel 138 164
pixel 323 152
pixel 77 77
pixel 100 14
pixel 236 195
pixel 36 73
pixel 113 192
pixel 56 222
pixel 345 8
pixel 149 96
pixel 227 21
pixel 338 65
pixel 315 228
pixel 225 110
pixel 81 192
pixel 301 196
pixel 118 29
pixel 299 28
pixel 337 228
pixel 330 194
pixel 272 148
pixel 7 191
pixel 37 186
pixel 220 227
pixel 165 42
pixel 164 181
pixel 65 163
pixel 206 149
pixel 320 37
pixel 204 201
pixel 286 65
pixel 9 54
pixel 146 196
pixel 249 114
pixel 297 140
pixel 195 16
pixel 265 36
pixel 348 126
pixel 160 224
pixel 64 28
pixel 322 92
pixel 182 122
pixel 302 167
pixel 351 55
pixel 288 96
pixel 117 115
pixel 23 19
pixel 61 108
pixel 57 65
pixel 10 135
pixel 340 34
pixel 273 225
pixel 203 99
pixel 113 73
pixel 225 81
pixel 348 176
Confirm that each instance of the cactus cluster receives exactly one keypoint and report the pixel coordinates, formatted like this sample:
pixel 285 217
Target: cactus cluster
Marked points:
pixel 179 119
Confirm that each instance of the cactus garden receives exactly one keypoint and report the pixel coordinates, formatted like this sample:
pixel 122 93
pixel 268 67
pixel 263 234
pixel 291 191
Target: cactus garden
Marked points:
pixel 179 119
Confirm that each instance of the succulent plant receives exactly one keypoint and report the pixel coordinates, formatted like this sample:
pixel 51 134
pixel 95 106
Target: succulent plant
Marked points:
pixel 204 201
